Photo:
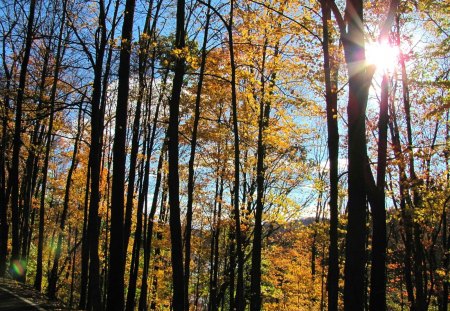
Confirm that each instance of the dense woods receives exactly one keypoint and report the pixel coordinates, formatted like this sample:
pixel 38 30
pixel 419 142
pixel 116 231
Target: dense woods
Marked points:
pixel 226 155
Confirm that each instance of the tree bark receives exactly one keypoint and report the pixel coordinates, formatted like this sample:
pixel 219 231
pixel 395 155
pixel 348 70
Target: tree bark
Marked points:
pixel 148 244
pixel 17 143
pixel 143 58
pixel 174 182
pixel 93 228
pixel 59 52
pixel 333 154
pixel 117 255
pixel 31 166
pixel 239 298
pixel 263 123
pixel 51 290
pixel 352 35
pixel 84 246
pixel 141 201
pixel 190 199
pixel 379 239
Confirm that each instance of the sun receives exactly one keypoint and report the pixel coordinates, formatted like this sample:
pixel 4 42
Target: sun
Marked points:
pixel 383 55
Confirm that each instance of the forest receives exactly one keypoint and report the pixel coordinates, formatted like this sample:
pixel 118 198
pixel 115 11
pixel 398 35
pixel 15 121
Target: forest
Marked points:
pixel 227 154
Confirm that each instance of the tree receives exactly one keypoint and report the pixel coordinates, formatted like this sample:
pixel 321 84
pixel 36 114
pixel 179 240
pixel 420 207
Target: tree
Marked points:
pixel 359 78
pixel 188 230
pixel 38 279
pixel 172 146
pixel 330 74
pixel 14 174
pixel 117 254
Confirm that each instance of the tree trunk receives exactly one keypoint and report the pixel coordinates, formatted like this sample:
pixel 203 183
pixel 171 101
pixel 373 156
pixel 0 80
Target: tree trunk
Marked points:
pixel 143 57
pixel 95 152
pixel 117 255
pixel 445 244
pixel 51 290
pixel 5 138
pixel 59 52
pixel 85 246
pixel 333 153
pixel 376 193
pixel 134 268
pixel 174 182
pixel 420 299
pixel 263 123
pixel 49 139
pixel 352 35
pixel 17 143
pixel 159 236
pixel 379 239
pixel 31 166
pixel 406 217
pixel 239 299
pixel 190 186
pixel 148 244
pixel 214 257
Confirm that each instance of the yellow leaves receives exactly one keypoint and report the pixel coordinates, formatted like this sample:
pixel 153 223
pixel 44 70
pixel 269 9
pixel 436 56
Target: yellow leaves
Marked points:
pixel 287 281
pixel 145 36
pixel 180 53
pixel 186 54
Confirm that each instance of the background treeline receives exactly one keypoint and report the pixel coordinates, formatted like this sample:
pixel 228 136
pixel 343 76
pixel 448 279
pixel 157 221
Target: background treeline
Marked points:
pixel 208 155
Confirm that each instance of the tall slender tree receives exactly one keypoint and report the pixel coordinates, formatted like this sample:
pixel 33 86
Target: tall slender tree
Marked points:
pixel 95 151
pixel 188 230
pixel 173 149
pixel 376 193
pixel 59 55
pixel 239 298
pixel 117 255
pixel 17 143
pixel 359 78
pixel 330 74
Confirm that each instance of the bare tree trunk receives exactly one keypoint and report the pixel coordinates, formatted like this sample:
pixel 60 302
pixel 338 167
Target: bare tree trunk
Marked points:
pixel 215 234
pixel 148 244
pixel 117 255
pixel 263 123
pixel 159 236
pixel 51 290
pixel 17 143
pixel 376 193
pixel 333 153
pixel 187 234
pixel 31 166
pixel 141 201
pixel 174 182
pixel 143 59
pixel 93 228
pixel 239 299
pixel 5 138
pixel 59 52
pixel 420 301
pixel 445 244
pixel 352 35
pixel 72 277
pixel 406 217
pixel 379 242
pixel 85 246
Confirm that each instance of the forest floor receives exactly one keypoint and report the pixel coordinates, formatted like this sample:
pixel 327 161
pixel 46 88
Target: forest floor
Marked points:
pixel 21 297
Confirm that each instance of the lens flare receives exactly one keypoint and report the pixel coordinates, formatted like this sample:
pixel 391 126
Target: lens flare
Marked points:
pixel 18 268
pixel 382 54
